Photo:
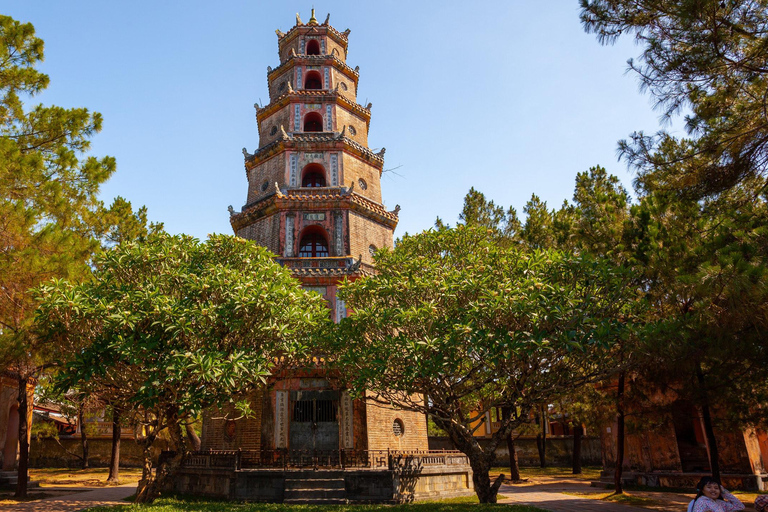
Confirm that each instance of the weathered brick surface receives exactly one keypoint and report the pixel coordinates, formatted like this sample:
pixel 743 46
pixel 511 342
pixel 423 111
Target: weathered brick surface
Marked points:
pixel 353 169
pixel 217 435
pixel 381 435
pixel 279 84
pixel 280 118
pixel 347 84
pixel 270 172
pixel 365 232
pixel 266 231
pixel 347 118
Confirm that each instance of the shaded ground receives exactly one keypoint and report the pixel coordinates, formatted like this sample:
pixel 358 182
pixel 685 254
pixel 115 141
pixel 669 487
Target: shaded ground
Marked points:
pixel 95 477
pixel 57 483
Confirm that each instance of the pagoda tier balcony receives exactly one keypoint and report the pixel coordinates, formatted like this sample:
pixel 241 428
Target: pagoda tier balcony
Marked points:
pixel 326 266
pixel 313 198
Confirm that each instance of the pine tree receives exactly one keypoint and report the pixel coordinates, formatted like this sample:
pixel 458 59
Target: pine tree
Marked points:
pixel 47 201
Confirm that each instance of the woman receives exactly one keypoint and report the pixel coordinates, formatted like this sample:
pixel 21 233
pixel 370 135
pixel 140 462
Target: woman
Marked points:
pixel 761 503
pixel 712 497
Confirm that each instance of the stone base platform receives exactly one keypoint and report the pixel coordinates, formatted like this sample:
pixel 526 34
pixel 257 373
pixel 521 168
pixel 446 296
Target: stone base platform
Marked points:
pixel 398 485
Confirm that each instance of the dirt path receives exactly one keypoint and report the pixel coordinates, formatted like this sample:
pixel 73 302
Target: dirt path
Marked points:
pixel 76 501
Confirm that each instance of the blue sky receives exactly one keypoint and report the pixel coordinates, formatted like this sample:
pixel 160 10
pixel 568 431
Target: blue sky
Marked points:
pixel 510 97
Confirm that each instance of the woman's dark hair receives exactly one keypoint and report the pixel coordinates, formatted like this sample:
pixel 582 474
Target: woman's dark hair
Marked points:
pixel 702 483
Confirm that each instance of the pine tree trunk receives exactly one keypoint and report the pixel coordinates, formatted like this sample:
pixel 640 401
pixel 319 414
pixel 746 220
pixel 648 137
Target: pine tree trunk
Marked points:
pixel 577 433
pixel 114 459
pixel 619 436
pixel 706 416
pixel 23 469
pixel 83 435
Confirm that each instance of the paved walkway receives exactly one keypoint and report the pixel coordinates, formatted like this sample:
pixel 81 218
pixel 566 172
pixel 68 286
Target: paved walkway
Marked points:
pixel 76 501
pixel 549 496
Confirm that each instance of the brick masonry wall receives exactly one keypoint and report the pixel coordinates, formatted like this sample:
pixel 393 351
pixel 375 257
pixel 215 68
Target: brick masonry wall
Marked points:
pixel 280 118
pixel 279 85
pixel 364 233
pixel 346 118
pixel 352 169
pixel 270 172
pixel 347 87
pixel 381 435
pixel 330 45
pixel 231 434
pixel 47 453
pixel 265 232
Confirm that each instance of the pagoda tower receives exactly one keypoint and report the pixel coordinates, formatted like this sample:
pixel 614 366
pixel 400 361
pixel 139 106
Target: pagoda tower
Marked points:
pixel 314 199
pixel 314 185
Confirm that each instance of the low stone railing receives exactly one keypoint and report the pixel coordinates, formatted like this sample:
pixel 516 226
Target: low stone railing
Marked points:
pixel 340 459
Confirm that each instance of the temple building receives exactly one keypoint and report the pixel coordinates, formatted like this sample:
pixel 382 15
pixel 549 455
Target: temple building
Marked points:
pixel 314 199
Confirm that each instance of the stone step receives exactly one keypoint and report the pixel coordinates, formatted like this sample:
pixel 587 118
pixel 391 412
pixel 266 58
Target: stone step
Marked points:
pixel 316 501
pixel 311 474
pixel 310 494
pixel 314 483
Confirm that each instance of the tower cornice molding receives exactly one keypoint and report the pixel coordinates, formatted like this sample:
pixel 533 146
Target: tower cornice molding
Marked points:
pixel 318 95
pixel 321 59
pixel 323 141
pixel 298 30
pixel 301 199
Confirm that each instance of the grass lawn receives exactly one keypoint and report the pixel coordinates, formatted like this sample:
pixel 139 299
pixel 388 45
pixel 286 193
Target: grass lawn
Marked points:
pixel 176 505
pixel 94 477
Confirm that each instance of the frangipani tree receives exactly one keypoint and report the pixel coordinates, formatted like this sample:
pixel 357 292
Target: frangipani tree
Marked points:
pixel 171 326
pixel 453 324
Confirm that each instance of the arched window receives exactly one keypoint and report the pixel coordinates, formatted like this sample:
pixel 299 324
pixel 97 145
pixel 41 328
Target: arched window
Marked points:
pixel 313 47
pixel 313 122
pixel 313 245
pixel 313 80
pixel 313 175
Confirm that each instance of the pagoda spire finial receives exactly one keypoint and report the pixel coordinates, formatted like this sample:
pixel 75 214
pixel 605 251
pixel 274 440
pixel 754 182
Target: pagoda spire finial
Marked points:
pixel 312 19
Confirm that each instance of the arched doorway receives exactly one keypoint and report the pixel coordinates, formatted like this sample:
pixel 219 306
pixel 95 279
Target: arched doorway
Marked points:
pixel 313 80
pixel 313 47
pixel 313 122
pixel 313 176
pixel 313 244
pixel 11 439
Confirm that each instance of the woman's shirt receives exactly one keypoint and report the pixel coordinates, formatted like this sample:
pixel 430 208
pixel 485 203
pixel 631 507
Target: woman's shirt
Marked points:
pixel 731 503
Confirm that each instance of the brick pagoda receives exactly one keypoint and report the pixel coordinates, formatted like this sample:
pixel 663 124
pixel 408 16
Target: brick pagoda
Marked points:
pixel 314 199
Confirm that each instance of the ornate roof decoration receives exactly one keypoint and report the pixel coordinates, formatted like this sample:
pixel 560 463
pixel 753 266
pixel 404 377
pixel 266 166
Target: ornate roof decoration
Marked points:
pixel 303 198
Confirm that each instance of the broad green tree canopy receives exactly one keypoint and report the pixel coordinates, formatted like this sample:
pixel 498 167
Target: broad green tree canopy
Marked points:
pixel 453 316
pixel 170 326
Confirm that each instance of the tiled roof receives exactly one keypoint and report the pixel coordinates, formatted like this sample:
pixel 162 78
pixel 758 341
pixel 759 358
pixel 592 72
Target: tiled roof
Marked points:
pixel 318 93
pixel 298 196
pixel 340 35
pixel 320 58
pixel 315 137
